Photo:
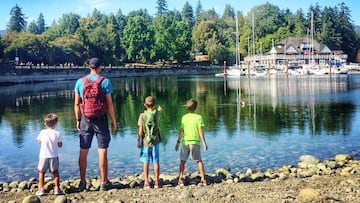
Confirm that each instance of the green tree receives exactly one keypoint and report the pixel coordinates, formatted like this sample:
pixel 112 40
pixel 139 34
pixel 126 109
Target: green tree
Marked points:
pixel 1 50
pixel 187 14
pixel 163 36
pixel 17 21
pixel 137 39
pixel 346 30
pixel 37 27
pixel 67 49
pixel 161 7
pixel 198 9
pixel 299 26
pixel 328 34
pixel 40 23
pixel 32 28
pixel 181 45
pixel 27 46
pixel 68 24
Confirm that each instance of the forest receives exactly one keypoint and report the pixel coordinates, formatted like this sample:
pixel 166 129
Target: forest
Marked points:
pixel 171 36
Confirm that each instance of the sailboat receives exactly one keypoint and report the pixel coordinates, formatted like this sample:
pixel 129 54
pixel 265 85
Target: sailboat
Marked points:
pixel 235 70
pixel 311 67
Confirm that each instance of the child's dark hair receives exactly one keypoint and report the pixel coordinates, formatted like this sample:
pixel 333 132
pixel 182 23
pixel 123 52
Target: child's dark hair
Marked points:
pixel 50 120
pixel 191 105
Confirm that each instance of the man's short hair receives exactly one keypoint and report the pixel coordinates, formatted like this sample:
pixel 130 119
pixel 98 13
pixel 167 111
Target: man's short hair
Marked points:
pixel 94 63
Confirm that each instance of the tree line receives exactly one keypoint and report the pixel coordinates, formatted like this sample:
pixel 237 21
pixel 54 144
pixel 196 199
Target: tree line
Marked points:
pixel 171 36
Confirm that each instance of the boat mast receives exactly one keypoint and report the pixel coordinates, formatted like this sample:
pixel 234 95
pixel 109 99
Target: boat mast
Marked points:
pixel 253 33
pixel 312 37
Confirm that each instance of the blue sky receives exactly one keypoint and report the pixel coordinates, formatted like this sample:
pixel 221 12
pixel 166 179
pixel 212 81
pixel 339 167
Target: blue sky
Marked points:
pixel 54 9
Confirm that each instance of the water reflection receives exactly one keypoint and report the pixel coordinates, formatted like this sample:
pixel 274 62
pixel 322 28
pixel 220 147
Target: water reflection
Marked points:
pixel 251 122
pixel 270 105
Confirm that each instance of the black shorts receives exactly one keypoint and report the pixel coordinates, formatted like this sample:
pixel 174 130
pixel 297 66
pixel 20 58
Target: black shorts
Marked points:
pixel 98 127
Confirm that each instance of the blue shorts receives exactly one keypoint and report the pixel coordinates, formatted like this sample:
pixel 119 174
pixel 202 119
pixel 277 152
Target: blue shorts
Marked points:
pixel 150 154
pixel 98 127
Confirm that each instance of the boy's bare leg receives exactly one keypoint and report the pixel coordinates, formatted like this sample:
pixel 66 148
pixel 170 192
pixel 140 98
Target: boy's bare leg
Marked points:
pixel 146 172
pixel 181 169
pixel 157 171
pixel 201 169
pixel 56 179
pixel 41 180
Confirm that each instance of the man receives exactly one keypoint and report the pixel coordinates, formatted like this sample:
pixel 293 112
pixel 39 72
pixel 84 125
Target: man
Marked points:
pixel 90 125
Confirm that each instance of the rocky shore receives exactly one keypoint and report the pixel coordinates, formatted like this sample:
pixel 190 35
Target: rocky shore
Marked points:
pixel 311 180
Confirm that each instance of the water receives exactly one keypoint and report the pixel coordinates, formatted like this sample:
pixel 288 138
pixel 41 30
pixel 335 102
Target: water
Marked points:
pixel 256 123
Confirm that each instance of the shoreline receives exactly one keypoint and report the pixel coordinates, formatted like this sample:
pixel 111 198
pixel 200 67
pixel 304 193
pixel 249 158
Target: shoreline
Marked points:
pixel 310 178
pixel 34 75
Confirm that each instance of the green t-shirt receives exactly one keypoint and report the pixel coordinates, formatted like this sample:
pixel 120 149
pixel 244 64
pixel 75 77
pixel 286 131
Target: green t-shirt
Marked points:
pixel 190 123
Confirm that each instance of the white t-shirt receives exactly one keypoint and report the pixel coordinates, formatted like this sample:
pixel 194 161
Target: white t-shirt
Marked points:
pixel 49 139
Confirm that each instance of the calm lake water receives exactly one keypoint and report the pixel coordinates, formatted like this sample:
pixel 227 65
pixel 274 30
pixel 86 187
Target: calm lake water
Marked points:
pixel 256 123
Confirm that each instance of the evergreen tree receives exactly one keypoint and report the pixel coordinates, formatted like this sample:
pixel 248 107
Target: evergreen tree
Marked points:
pixel 187 14
pixel 17 21
pixel 161 7
pixel 198 9
pixel 32 28
pixel 40 23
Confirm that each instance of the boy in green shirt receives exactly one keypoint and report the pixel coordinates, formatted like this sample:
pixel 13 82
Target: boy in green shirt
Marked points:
pixel 190 135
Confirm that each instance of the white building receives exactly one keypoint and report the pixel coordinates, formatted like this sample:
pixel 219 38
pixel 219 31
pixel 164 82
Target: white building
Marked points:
pixel 299 51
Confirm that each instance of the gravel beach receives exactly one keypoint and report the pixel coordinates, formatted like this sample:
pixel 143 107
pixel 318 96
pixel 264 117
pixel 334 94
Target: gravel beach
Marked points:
pixel 311 180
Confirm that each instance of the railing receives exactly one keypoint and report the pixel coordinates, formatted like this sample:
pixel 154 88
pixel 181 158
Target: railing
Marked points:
pixel 295 57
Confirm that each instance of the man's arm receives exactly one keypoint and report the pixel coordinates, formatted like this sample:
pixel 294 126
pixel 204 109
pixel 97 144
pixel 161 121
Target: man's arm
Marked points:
pixel 111 112
pixel 77 110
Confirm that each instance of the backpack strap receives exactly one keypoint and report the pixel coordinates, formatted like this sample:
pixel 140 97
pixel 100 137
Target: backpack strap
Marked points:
pixel 85 79
pixel 150 116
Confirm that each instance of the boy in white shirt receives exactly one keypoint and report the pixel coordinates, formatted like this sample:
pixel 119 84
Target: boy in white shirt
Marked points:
pixel 50 140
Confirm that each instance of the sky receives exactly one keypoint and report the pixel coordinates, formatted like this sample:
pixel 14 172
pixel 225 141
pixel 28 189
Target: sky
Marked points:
pixel 53 10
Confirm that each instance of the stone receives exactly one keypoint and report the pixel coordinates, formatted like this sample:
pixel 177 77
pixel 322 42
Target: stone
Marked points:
pixel 31 199
pixel 309 193
pixel 186 194
pixel 343 157
pixel 309 159
pixel 60 199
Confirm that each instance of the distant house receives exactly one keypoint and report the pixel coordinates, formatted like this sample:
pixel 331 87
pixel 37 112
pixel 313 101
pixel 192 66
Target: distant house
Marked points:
pixel 301 51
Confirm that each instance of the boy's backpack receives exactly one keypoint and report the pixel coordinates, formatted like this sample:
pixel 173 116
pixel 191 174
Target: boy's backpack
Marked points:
pixel 152 133
pixel 93 104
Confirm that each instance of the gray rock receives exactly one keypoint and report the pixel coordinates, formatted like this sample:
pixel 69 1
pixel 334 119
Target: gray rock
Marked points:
pixel 186 194
pixel 31 199
pixel 60 199
pixel 308 159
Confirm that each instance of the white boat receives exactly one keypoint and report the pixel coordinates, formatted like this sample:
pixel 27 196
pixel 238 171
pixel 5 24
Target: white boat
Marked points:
pixel 232 71
pixel 297 71
pixel 352 66
pixel 258 70
pixel 317 70
pixel 340 70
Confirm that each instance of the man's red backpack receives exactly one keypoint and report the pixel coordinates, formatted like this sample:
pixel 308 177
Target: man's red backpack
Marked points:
pixel 93 104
